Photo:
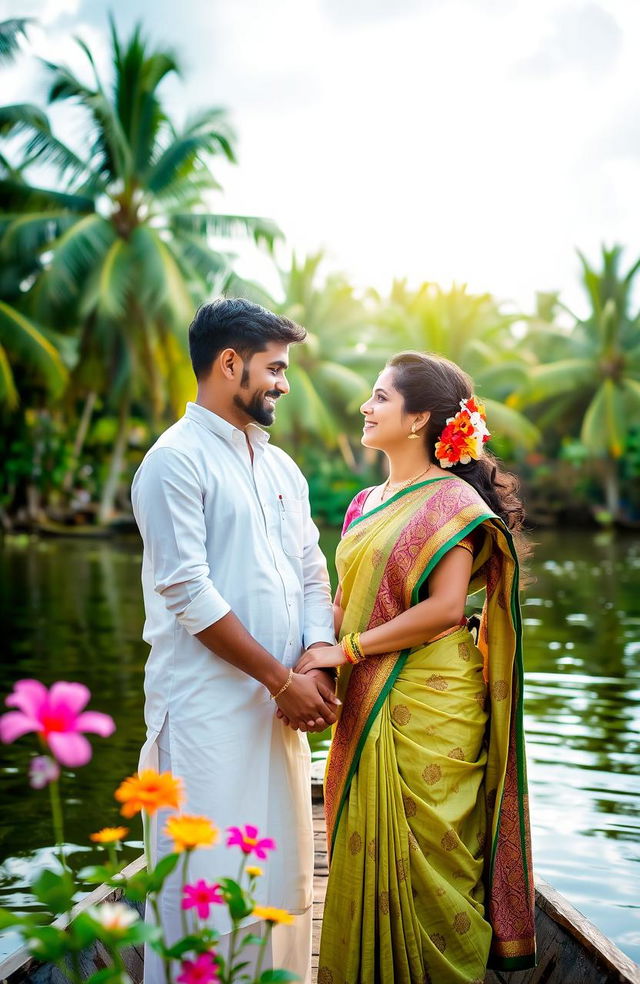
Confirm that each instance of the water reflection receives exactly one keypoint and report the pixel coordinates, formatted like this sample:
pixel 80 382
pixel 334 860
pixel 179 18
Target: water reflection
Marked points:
pixel 72 610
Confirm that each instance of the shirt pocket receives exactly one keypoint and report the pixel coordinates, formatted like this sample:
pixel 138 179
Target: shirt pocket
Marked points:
pixel 291 525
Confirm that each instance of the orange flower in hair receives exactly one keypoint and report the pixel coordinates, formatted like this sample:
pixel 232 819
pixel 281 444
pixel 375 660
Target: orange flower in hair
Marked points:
pixel 463 437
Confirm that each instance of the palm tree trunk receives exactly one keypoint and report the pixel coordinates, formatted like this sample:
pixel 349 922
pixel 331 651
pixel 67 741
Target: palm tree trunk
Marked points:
pixel 81 436
pixel 612 487
pixel 110 490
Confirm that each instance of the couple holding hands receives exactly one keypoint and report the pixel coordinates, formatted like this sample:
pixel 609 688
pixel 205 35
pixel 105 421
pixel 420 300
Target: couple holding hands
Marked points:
pixel 425 792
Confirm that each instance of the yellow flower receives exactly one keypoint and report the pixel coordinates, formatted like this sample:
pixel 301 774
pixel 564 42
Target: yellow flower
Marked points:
pixel 148 791
pixel 109 835
pixel 269 914
pixel 254 871
pixel 189 832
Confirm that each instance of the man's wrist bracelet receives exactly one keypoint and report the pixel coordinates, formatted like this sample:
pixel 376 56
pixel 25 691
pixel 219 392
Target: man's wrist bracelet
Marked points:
pixel 283 687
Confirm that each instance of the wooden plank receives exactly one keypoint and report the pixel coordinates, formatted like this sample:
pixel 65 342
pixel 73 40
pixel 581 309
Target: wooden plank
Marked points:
pixel 20 966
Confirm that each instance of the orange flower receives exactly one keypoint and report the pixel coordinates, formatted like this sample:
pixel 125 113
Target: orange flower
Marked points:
pixel 109 835
pixel 271 915
pixel 190 832
pixel 149 791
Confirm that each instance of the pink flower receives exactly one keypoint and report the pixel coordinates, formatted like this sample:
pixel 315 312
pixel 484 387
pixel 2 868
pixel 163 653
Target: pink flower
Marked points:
pixel 42 771
pixel 55 715
pixel 201 896
pixel 202 970
pixel 249 842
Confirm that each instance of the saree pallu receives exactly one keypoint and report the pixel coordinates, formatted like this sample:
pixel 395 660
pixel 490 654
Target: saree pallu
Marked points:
pixel 425 791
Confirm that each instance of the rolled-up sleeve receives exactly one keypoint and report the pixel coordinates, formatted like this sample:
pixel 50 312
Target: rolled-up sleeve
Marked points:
pixel 167 501
pixel 318 608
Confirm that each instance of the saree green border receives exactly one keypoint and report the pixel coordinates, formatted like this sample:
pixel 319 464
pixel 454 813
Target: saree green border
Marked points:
pixel 395 497
pixel 516 615
pixel 402 658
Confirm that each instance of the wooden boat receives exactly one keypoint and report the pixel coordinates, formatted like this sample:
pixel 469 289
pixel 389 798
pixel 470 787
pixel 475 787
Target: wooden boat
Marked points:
pixel 571 949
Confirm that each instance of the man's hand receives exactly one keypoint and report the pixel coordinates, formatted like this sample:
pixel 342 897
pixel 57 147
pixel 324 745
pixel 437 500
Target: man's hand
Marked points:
pixel 327 687
pixel 308 704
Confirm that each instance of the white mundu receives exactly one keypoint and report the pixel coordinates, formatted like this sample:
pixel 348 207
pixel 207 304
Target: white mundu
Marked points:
pixel 222 533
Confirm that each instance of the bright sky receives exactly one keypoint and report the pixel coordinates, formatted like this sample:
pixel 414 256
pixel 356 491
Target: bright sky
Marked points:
pixel 471 140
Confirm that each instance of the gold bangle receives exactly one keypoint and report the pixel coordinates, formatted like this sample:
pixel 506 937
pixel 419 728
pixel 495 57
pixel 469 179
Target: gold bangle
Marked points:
pixel 357 646
pixel 352 648
pixel 284 687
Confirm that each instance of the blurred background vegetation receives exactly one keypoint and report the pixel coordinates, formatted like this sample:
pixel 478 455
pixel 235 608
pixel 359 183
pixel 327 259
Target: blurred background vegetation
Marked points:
pixel 108 244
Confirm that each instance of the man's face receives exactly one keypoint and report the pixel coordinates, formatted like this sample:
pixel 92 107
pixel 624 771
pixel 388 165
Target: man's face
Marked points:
pixel 263 382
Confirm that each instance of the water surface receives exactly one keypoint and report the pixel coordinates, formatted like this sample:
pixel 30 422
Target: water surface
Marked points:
pixel 72 610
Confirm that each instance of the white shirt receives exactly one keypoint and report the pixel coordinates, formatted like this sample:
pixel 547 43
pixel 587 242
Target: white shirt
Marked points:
pixel 222 533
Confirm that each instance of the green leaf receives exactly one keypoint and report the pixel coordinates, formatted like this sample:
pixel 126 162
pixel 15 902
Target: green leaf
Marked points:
pixel 10 31
pixel 604 424
pixel 277 976
pixel 238 903
pixel 48 943
pixel 54 890
pixel 504 420
pixel 162 871
pixel 29 347
pixel 140 932
pixel 552 380
pixel 109 975
pixel 8 392
pixel 83 931
pixel 225 226
pixel 97 874
pixel 115 280
pixel 75 254
pixel 9 919
pixel 184 945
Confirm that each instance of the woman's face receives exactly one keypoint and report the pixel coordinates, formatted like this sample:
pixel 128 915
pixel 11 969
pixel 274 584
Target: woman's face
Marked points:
pixel 385 420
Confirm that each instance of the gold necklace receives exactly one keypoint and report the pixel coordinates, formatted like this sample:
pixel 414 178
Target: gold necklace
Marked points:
pixel 404 485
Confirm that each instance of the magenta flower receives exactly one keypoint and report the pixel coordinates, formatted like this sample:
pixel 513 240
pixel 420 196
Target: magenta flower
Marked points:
pixel 201 896
pixel 202 970
pixel 56 716
pixel 249 842
pixel 42 771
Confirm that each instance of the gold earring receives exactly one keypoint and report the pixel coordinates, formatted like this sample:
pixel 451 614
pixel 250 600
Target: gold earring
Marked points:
pixel 413 436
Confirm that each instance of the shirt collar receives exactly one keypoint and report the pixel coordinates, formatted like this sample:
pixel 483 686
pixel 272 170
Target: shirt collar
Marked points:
pixel 218 425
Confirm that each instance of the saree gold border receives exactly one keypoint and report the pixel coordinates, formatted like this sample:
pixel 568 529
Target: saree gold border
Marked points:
pixel 514 948
pixel 385 674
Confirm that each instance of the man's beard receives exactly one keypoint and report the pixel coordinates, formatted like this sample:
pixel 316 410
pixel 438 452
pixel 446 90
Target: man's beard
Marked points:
pixel 256 409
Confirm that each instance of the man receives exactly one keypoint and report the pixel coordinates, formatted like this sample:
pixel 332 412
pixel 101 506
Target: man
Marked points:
pixel 235 587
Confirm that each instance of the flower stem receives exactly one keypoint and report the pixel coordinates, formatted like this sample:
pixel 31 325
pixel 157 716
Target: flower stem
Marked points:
pixel 56 814
pixel 185 880
pixel 146 835
pixel 264 945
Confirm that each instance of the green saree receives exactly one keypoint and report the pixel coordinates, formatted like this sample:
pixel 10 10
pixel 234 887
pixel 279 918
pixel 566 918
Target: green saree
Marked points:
pixel 425 791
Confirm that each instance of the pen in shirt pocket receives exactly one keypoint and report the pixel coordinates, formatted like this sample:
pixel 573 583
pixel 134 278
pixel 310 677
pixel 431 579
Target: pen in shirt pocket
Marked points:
pixel 281 500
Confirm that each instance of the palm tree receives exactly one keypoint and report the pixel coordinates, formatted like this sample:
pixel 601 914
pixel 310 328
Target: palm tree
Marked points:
pixel 125 237
pixel 327 386
pixel 596 381
pixel 23 344
pixel 469 329
pixel 10 33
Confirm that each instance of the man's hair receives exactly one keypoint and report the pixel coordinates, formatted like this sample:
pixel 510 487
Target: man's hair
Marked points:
pixel 233 322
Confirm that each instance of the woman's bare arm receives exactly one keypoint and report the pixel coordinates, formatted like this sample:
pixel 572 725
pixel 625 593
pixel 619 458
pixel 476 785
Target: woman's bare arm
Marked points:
pixel 448 588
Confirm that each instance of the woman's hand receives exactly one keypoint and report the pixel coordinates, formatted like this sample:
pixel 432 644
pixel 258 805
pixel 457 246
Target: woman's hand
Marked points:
pixel 317 659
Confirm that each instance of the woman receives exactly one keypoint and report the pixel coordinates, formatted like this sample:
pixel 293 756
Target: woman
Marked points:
pixel 425 791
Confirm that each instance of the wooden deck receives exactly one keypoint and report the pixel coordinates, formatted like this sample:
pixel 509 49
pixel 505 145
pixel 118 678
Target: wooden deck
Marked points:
pixel 320 875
